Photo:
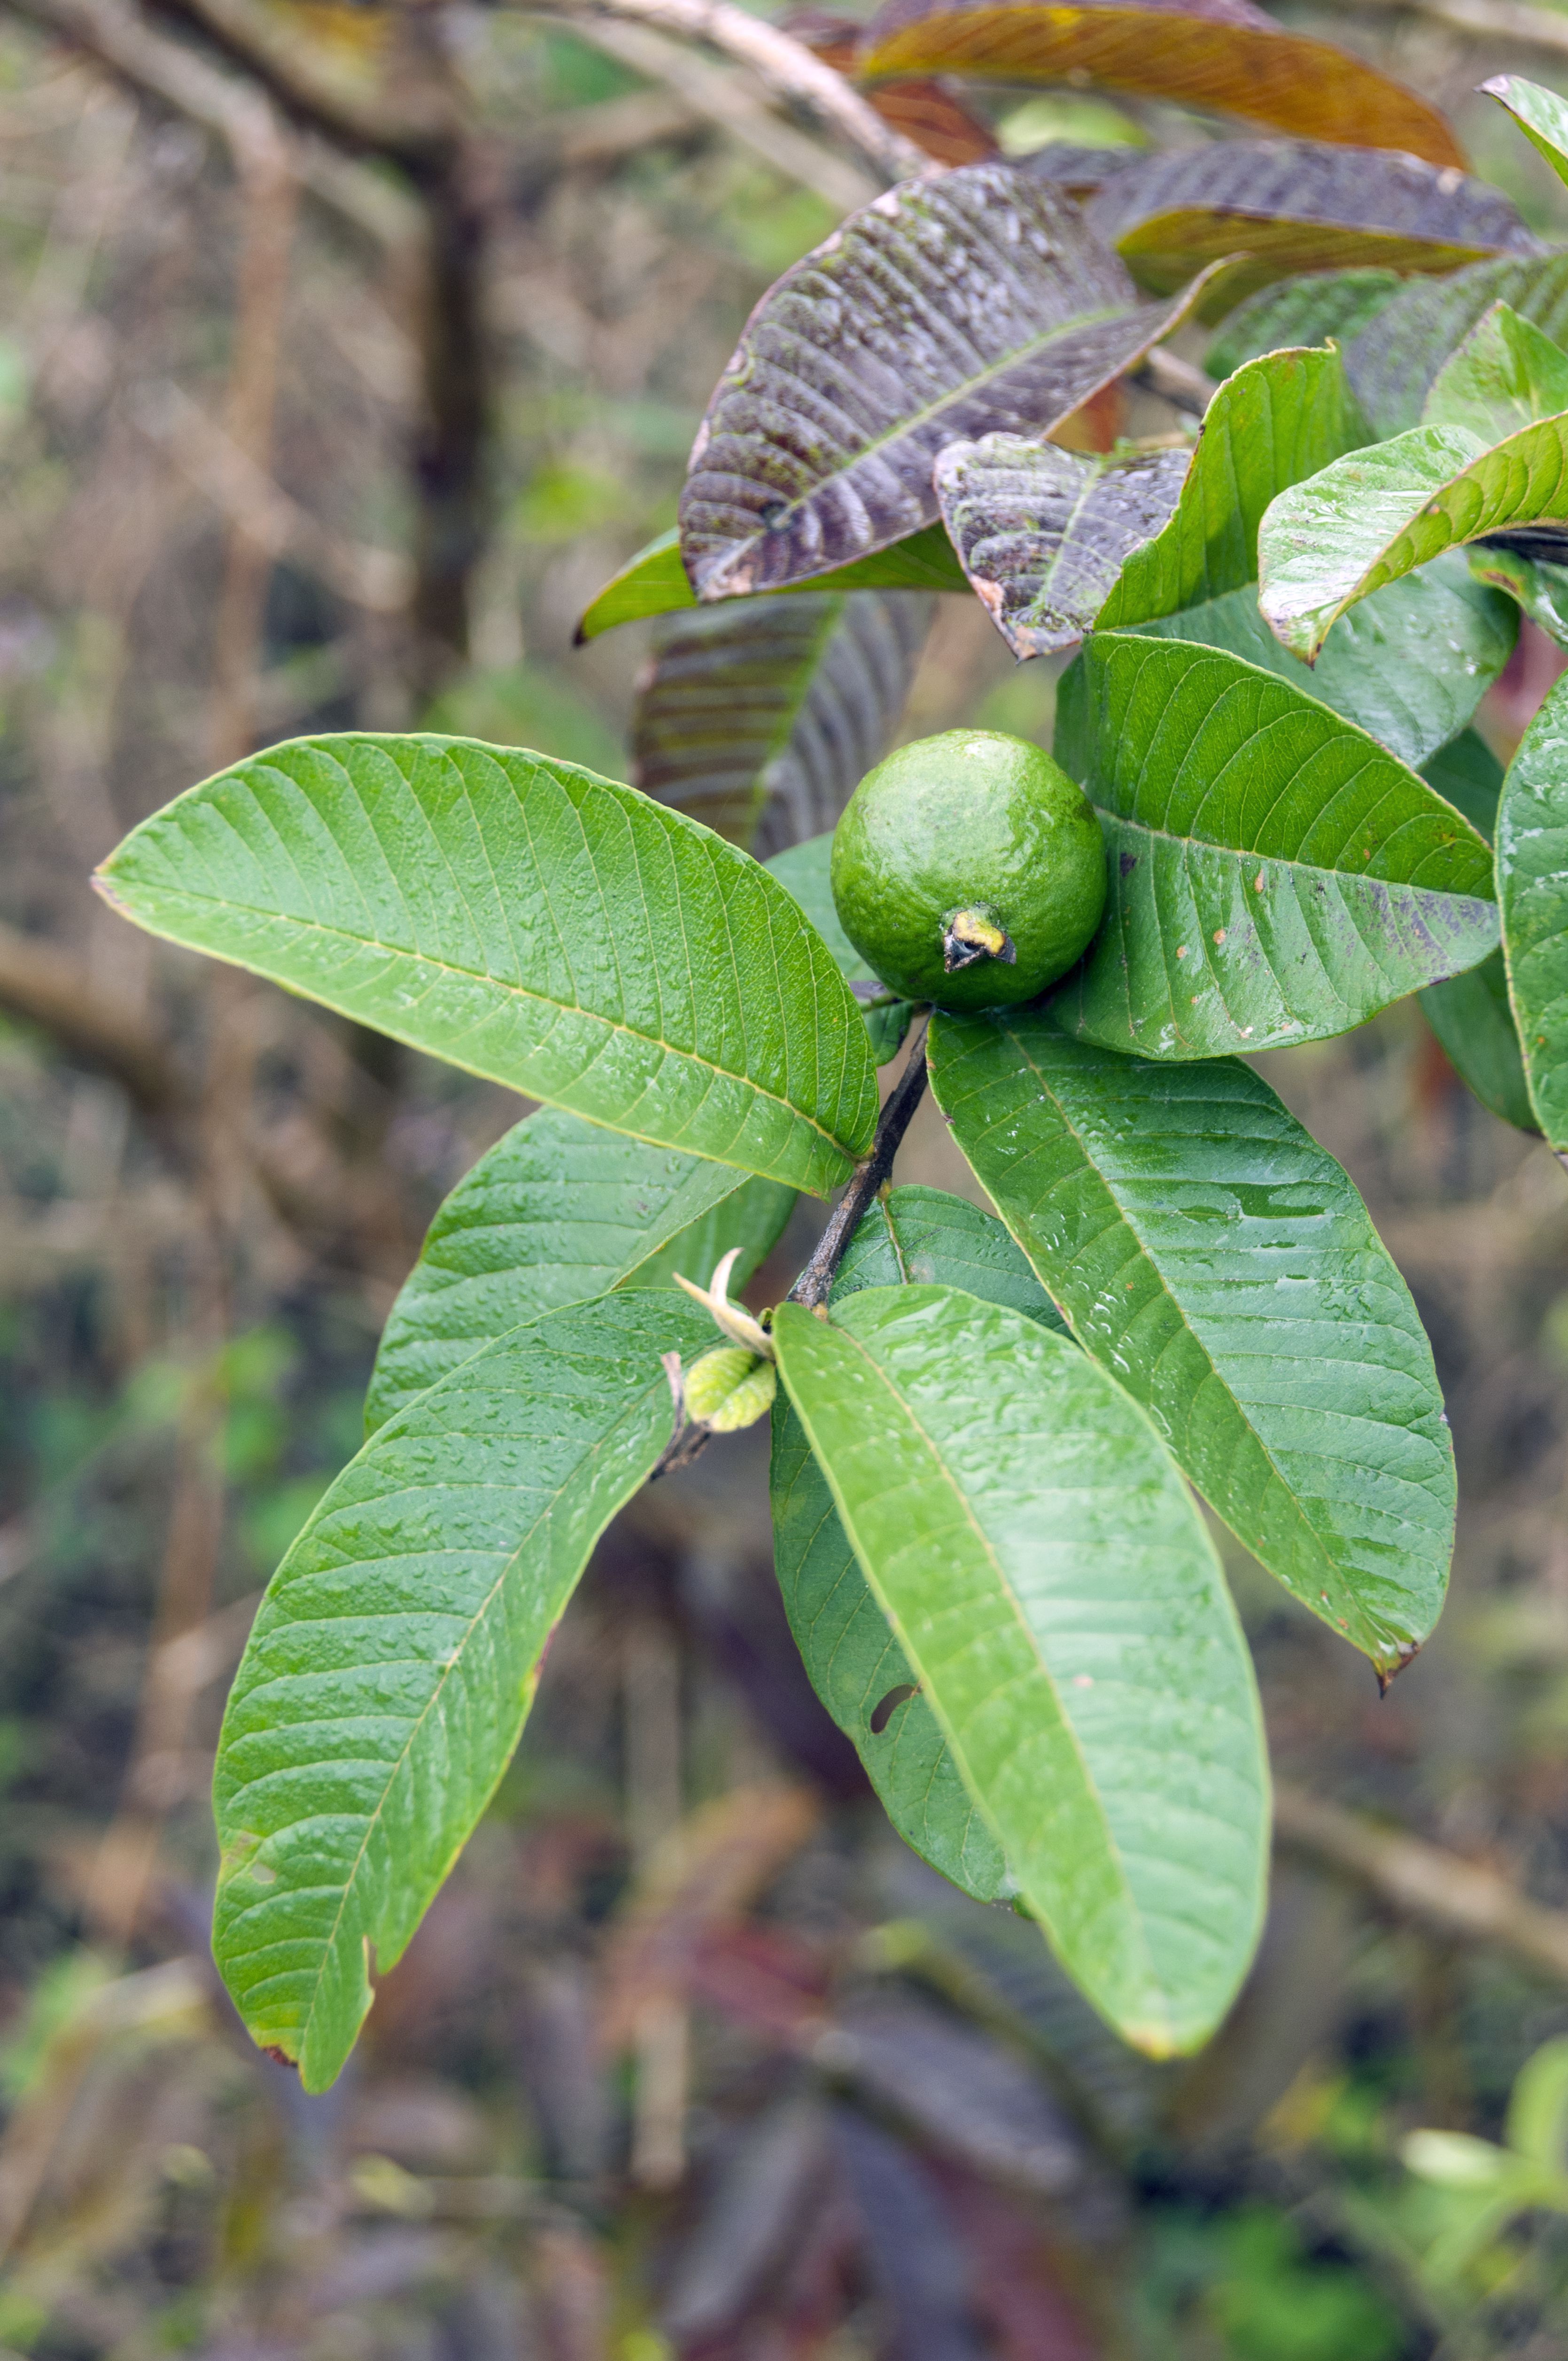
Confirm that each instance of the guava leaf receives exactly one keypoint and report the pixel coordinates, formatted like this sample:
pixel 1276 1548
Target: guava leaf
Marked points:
pixel 1225 55
pixel 1540 115
pixel 559 1212
pixel 917 1236
pixel 1506 374
pixel 527 921
pixel 760 718
pixel 1533 886
pixel 1224 1269
pixel 1409 665
pixel 394 1659
pixel 1278 419
pixel 1292 204
pixel 1378 513
pixel 803 869
pixel 1471 1017
pixel 1467 775
pixel 1306 310
pixel 1538 588
pixel 1059 1604
pixel 935 118
pixel 654 581
pixel 1072 166
pixel 1392 362
pixel 949 308
pixel 1275 876
pixel 1042 533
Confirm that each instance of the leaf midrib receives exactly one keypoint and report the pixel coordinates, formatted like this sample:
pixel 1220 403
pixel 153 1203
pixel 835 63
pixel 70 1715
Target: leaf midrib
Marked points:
pixel 1306 869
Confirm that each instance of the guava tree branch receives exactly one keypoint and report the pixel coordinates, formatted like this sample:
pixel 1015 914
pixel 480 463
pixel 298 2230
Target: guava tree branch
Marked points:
pixel 815 1284
pixel 1490 21
pixel 784 66
pixel 46 987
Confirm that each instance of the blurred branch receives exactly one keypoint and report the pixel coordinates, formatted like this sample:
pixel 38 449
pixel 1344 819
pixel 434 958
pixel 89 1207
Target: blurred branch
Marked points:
pixel 726 99
pixel 1490 21
pixel 1447 1895
pixel 783 65
pixel 47 987
pixel 414 127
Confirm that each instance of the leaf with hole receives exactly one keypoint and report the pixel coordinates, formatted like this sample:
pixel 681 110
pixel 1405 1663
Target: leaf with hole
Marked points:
pixel 1409 665
pixel 531 923
pixel 559 1212
pixel 1533 886
pixel 760 718
pixel 1278 419
pixel 1059 1604
pixel 654 581
pixel 1368 518
pixel 1223 1267
pixel 1275 875
pixel 394 1659
pixel 1393 360
pixel 949 309
pixel 1222 55
pixel 1287 205
pixel 1312 310
pixel 804 871
pixel 1042 533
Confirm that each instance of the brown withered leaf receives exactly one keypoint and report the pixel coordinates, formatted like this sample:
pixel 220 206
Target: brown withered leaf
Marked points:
pixel 974 304
pixel 760 716
pixel 1043 533
pixel 935 118
pixel 1224 56
pixel 1289 205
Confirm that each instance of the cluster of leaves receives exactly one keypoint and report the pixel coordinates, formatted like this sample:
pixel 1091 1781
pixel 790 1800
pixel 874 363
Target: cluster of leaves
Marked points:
pixel 987 1425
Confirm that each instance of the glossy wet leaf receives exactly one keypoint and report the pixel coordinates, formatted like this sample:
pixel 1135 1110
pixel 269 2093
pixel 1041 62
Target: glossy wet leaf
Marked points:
pixel 1306 310
pixel 530 922
pixel 1533 886
pixel 1295 205
pixel 803 871
pixel 1378 514
pixel 1540 115
pixel 556 1213
pixel 1042 533
pixel 1467 775
pixel 950 308
pixel 1471 1017
pixel 1409 665
pixel 1506 374
pixel 1223 1267
pixel 1278 419
pixel 1538 587
pixel 1060 1606
pixel 392 1662
pixel 1223 55
pixel 1275 875
pixel 1393 360
pixel 761 717
pixel 654 581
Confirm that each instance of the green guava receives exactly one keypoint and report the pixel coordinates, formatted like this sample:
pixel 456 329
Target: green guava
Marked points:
pixel 968 870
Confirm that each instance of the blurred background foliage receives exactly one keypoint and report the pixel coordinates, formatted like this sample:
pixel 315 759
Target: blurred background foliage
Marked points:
pixel 690 2057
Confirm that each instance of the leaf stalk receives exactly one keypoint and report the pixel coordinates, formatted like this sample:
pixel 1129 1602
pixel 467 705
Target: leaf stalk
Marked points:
pixel 814 1285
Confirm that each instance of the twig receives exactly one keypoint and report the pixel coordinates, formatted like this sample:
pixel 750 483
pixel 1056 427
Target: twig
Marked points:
pixel 417 128
pixel 814 1285
pixel 1450 1896
pixel 48 988
pixel 784 66
pixel 1490 21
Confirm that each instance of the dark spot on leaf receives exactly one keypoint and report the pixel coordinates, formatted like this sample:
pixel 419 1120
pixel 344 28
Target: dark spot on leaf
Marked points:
pixel 883 1714
pixel 1129 863
pixel 281 2057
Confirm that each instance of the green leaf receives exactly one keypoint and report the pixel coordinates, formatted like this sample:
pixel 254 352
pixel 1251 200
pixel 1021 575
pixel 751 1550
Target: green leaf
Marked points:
pixel 1472 1019
pixel 1538 587
pixel 654 581
pixel 1533 886
pixel 556 1213
pixel 761 717
pixel 1306 310
pixel 1504 376
pixel 1059 1603
pixel 803 871
pixel 1392 362
pixel 1281 205
pixel 1366 520
pixel 878 349
pixel 1042 533
pixel 394 1659
pixel 1467 775
pixel 530 922
pixel 1223 1267
pixel 1275 875
pixel 1222 54
pixel 924 1237
pixel 1540 115
pixel 1278 419
pixel 1409 665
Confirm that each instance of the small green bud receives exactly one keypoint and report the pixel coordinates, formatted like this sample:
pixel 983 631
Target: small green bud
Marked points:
pixel 729 1387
